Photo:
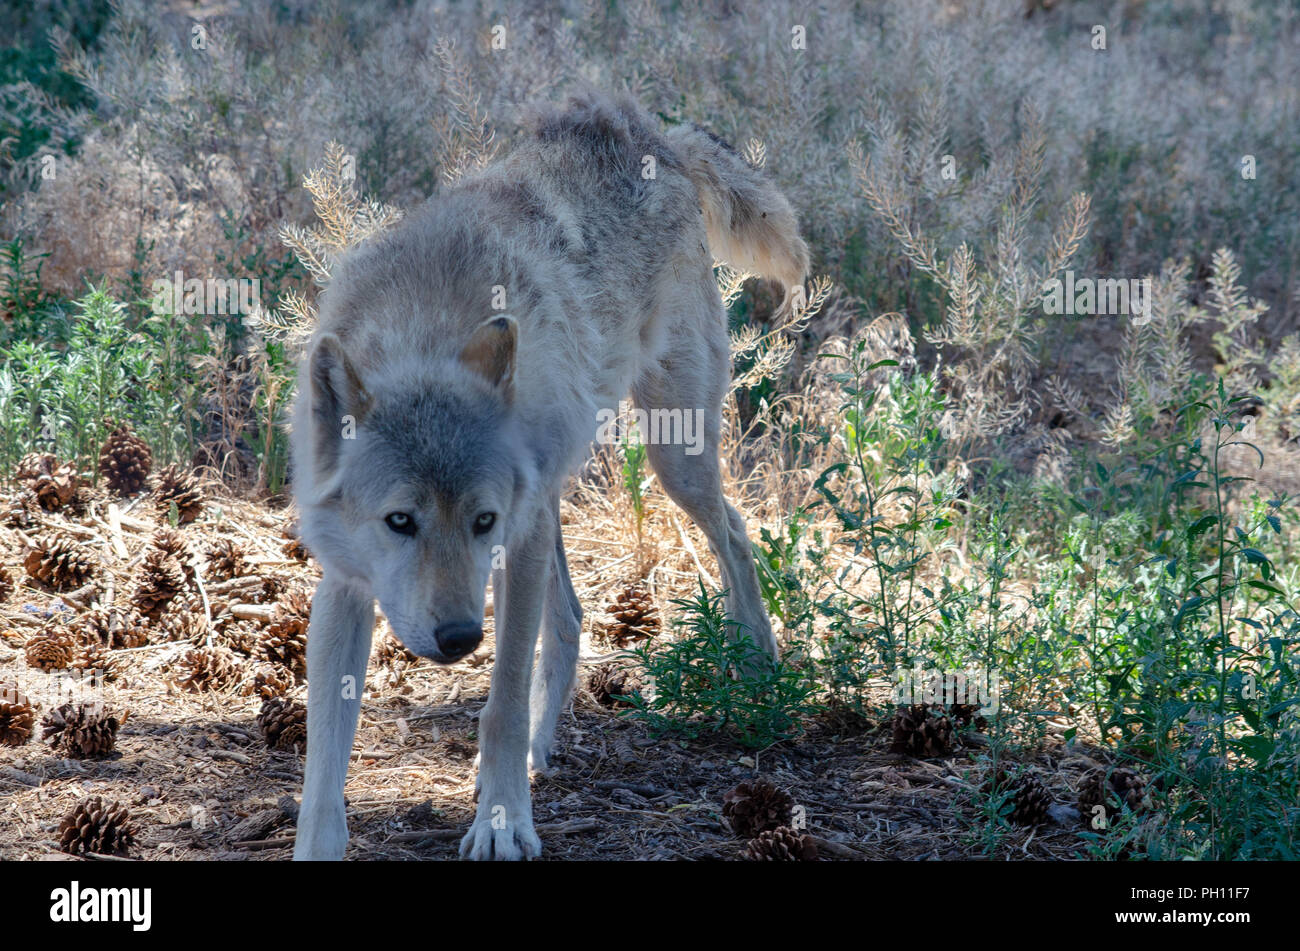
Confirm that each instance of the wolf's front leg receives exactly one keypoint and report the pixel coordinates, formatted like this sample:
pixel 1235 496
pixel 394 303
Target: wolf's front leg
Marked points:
pixel 553 675
pixel 338 647
pixel 503 823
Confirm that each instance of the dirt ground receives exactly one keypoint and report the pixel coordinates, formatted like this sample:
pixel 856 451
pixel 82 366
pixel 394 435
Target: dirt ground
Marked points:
pixel 201 782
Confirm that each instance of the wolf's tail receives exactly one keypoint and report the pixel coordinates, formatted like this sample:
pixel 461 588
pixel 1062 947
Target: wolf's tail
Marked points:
pixel 750 224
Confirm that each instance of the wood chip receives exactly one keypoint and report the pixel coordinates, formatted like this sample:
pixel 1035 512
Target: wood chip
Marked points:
pixel 256 826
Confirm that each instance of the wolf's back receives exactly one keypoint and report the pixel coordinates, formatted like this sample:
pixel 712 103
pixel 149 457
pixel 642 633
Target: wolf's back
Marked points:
pixel 604 140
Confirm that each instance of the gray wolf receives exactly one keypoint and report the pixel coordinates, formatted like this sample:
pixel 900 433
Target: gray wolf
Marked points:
pixel 456 378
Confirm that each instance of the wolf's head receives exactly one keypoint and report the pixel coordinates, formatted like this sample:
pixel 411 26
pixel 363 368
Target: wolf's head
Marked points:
pixel 415 469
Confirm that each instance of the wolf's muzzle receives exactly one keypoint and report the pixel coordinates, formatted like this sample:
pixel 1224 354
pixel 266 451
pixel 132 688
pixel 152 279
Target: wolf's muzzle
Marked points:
pixel 457 638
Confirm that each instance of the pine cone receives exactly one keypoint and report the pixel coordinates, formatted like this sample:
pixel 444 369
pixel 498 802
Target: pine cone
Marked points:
pixel 916 732
pixel 268 588
pixel 218 604
pixel 284 724
pixel 390 652
pixel 59 562
pixel 161 578
pixel 634 618
pixel 80 730
pixel 225 560
pixel 53 485
pixel 52 648
pixel 782 844
pixel 1030 799
pixel 97 825
pixel 125 461
pixel 242 637
pixel 294 608
pixel 1115 790
pixel 756 806
pixel 207 668
pixel 608 682
pixel 21 510
pixel 181 489
pixel 34 464
pixel 115 628
pixel 55 489
pixel 293 546
pixel 179 623
pixel 285 639
pixel 95 659
pixel 6 584
pixel 268 680
pixel 173 542
pixel 17 716
pixel 963 715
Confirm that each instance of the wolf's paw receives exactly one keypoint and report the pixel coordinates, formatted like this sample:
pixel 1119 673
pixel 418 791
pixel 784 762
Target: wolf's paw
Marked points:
pixel 539 761
pixel 493 837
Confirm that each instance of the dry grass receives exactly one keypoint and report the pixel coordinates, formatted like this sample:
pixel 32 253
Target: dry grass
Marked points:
pixel 195 162
pixel 202 783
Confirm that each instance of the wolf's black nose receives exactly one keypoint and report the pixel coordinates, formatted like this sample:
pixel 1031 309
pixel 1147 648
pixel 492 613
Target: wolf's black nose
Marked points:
pixel 458 638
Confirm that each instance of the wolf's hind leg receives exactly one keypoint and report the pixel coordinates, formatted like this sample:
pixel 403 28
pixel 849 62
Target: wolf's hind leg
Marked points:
pixel 692 379
pixel 553 678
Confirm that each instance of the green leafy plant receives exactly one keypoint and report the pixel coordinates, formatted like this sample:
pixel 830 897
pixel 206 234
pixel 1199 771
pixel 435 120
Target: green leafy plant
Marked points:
pixel 26 310
pixel 172 399
pixel 778 562
pixel 633 453
pixel 274 374
pixel 58 397
pixel 892 507
pixel 693 688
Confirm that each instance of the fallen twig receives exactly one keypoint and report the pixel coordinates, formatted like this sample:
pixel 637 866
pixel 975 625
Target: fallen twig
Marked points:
pixel 252 612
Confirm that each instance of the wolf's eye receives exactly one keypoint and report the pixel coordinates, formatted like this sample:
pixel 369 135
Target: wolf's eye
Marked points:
pixel 483 524
pixel 400 522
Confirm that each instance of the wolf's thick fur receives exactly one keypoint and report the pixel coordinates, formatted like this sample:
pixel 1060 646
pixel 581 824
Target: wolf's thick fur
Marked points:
pixel 434 433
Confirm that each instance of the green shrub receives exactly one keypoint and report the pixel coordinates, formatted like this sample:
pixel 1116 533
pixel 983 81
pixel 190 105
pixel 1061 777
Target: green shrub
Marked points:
pixel 56 397
pixel 693 688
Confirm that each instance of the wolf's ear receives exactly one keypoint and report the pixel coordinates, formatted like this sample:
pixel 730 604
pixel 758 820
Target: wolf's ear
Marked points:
pixel 491 353
pixel 338 400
